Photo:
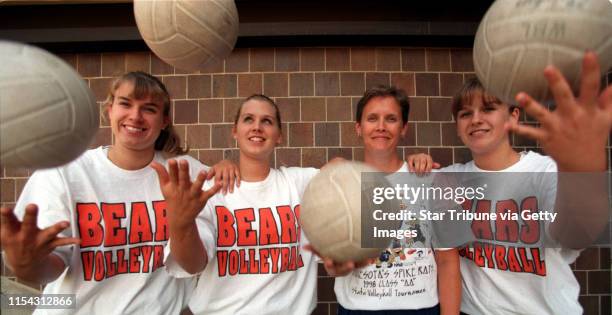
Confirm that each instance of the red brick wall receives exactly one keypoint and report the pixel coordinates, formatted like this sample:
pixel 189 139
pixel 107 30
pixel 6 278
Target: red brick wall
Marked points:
pixel 316 89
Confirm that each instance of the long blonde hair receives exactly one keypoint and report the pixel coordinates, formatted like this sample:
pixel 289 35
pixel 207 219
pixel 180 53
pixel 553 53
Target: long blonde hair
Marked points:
pixel 145 85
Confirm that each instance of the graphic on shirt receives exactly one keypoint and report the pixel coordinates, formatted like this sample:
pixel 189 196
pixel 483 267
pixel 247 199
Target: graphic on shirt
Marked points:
pixel 506 244
pixel 258 241
pixel 132 240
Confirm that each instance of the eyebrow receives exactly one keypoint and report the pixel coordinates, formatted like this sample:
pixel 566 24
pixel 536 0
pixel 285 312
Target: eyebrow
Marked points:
pixel 123 98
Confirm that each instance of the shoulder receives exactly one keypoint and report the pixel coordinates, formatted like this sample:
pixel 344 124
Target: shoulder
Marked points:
pixel 536 162
pixel 458 167
pixel 298 173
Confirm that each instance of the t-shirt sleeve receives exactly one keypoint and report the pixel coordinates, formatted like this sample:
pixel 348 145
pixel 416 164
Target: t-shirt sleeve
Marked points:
pixel 301 176
pixel 47 189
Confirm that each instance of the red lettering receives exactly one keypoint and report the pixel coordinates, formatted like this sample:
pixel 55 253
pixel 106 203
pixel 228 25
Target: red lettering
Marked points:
pixel 225 227
pixel 111 267
pixel 527 264
pixel 146 257
pixel 284 259
pixel 253 263
pixel 115 234
pixel 482 228
pixel 275 258
pixel 506 230
pixel 488 250
pixel 268 232
pixel 540 265
pixel 158 257
pixel 88 264
pixel 287 220
pixel 264 267
pixel 140 226
pixel 246 235
pixel 99 275
pixel 500 257
pixel 513 263
pixel 530 230
pixel 299 227
pixel 233 262
pixel 134 263
pixel 478 258
pixel 243 265
pixel 122 264
pixel 222 262
pixel 161 221
pixel 90 229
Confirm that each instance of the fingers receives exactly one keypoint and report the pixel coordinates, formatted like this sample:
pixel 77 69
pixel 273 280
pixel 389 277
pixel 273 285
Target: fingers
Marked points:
pixel 63 241
pixel 339 269
pixel 232 179
pixel 51 232
pixel 309 248
pixel 237 175
pixel 199 182
pixel 527 131
pixel 605 101
pixel 9 221
pixel 184 179
pixel 436 165
pixel 590 79
pixel 173 171
pixel 225 181
pixel 533 108
pixel 562 92
pixel 162 174
pixel 411 164
pixel 29 226
pixel 206 194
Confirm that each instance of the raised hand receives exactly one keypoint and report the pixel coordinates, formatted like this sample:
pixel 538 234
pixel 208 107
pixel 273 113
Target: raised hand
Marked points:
pixel 421 163
pixel 226 174
pixel 26 246
pixel 576 133
pixel 184 199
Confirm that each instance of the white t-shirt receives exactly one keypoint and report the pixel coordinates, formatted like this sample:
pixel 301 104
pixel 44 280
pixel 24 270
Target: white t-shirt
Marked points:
pixel 120 216
pixel 254 242
pixel 403 277
pixel 510 277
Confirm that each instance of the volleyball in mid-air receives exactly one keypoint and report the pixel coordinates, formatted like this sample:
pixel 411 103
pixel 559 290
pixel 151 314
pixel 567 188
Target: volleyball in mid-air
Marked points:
pixel 187 34
pixel 48 114
pixel 331 212
pixel 517 39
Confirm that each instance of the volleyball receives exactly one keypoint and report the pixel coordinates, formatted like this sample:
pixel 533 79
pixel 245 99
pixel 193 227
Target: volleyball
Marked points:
pixel 330 212
pixel 517 39
pixel 187 34
pixel 48 114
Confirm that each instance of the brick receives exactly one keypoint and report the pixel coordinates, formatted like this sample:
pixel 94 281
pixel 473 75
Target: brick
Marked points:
pixel 428 134
pixel 440 109
pixel 198 136
pixel 199 86
pixel 210 157
pixel 237 61
pixel 461 155
pixel 352 83
pixel 159 66
pixel 521 141
pixel 276 84
pixel 221 136
pixel 327 84
pixel 289 108
pixel 262 59
pixel 590 304
pixel 313 109
pixel 363 59
pixel 284 137
pixel 287 59
pixel 410 138
pixel 16 172
pixel 288 157
pixel 444 156
pixel 210 111
pixel 327 134
pixel 438 60
pixel 450 83
pixel 321 309
pixel 224 85
pixel 249 84
pixel 599 282
pixel 100 88
pixel 348 136
pixel 113 64
pixel 581 277
pixel 325 290
pixel 404 81
pixel 337 59
pixel 138 61
pixel 185 112
pixel 377 78
pixel 8 190
pixel 232 155
pixel 461 60
pixel 230 109
pixel 339 109
pixel 300 135
pixel 213 65
pixel 312 59
pixel 427 84
pixel 413 59
pixel 606 308
pixel 103 137
pixel 388 59
pixel 358 154
pixel 176 85
pixel 314 157
pixel 301 84
pixel 449 135
pixel 418 109
pixel 70 59
pixel 345 153
pixel 180 131
pixel 89 65
pixel 604 258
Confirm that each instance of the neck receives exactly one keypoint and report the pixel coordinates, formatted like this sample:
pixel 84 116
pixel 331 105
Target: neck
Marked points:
pixel 498 160
pixel 253 170
pixel 130 159
pixel 388 162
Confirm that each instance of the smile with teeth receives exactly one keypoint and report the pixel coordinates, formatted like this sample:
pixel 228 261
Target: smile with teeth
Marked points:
pixel 133 129
pixel 478 131
pixel 256 139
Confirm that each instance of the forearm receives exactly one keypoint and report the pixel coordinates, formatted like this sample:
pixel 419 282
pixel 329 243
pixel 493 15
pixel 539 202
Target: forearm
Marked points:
pixel 449 281
pixel 187 248
pixel 41 272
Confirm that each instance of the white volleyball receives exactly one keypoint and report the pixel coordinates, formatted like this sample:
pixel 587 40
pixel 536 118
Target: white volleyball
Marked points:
pixel 517 39
pixel 188 33
pixel 48 114
pixel 331 212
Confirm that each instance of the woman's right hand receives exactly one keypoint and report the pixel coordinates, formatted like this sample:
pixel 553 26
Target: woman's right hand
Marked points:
pixel 28 247
pixel 184 199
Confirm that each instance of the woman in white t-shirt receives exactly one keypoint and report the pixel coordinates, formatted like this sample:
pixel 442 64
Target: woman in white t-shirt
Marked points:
pixel 381 122
pixel 502 273
pixel 245 246
pixel 97 227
